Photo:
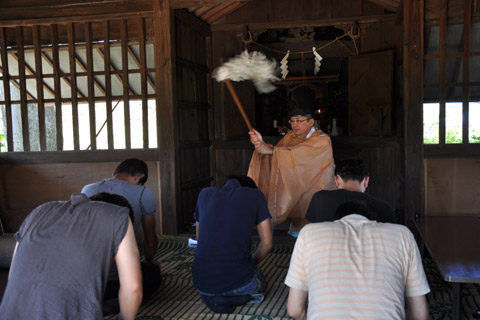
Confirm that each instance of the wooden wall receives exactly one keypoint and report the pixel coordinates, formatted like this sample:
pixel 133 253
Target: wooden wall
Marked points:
pixel 193 100
pixel 452 186
pixel 383 157
pixel 25 186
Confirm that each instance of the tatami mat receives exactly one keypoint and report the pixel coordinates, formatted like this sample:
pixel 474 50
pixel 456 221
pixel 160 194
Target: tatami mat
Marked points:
pixel 178 299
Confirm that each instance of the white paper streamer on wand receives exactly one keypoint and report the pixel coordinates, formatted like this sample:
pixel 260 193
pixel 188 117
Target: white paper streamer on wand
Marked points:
pixel 317 63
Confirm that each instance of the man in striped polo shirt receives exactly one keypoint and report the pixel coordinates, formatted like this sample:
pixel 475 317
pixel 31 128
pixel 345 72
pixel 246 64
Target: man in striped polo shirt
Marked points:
pixel 355 267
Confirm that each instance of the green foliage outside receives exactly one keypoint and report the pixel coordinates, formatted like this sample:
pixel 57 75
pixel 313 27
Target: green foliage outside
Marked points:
pixel 451 136
pixel 432 137
pixel 2 142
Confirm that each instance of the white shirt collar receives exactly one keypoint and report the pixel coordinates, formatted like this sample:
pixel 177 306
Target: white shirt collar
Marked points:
pixel 312 130
pixel 354 216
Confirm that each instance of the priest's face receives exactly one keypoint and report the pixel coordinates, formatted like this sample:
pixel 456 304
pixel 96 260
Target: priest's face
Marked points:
pixel 301 125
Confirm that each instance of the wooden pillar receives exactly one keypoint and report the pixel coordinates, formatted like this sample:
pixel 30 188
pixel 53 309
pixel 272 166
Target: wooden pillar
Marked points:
pixel 413 107
pixel 166 115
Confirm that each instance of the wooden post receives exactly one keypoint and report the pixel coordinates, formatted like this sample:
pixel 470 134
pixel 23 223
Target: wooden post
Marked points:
pixel 166 115
pixel 467 25
pixel 143 80
pixel 37 44
pixel 442 71
pixel 413 107
pixel 126 87
pixel 73 84
pixel 90 85
pixel 57 86
pixel 108 83
pixel 6 88
pixel 23 88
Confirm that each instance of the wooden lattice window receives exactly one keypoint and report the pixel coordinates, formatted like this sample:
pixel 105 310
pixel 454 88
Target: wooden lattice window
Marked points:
pixel 78 86
pixel 451 78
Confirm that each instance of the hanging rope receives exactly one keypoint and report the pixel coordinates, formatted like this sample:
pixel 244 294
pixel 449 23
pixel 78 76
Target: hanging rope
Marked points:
pixel 336 40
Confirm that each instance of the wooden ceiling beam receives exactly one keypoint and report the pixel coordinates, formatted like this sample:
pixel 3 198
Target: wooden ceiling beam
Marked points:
pixel 75 11
pixel 31 98
pixel 391 5
pixel 139 65
pixel 230 8
pixel 310 23
pixel 112 68
pixel 31 72
pixel 199 11
pixel 13 22
pixel 82 66
pixel 183 4
pixel 215 11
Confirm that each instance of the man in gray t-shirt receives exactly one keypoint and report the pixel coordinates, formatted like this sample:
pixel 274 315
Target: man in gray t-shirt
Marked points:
pixel 63 255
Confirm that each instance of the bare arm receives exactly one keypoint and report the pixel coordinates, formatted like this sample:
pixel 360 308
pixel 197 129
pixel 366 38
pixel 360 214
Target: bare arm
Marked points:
pixel 297 304
pixel 417 308
pixel 130 275
pixel 150 242
pixel 197 228
pixel 264 230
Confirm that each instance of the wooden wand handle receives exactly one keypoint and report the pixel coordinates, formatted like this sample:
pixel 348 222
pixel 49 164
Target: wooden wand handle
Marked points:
pixel 237 101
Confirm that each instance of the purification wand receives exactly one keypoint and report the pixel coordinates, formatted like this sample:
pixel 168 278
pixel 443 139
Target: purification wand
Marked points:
pixel 248 66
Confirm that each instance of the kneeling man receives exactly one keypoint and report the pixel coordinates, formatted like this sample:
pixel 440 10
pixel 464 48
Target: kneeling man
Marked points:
pixel 225 273
pixel 356 268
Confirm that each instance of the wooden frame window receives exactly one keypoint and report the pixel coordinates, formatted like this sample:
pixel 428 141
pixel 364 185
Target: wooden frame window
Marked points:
pixel 451 84
pixel 78 86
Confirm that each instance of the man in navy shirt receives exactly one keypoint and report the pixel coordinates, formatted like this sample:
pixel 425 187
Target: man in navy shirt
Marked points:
pixel 224 270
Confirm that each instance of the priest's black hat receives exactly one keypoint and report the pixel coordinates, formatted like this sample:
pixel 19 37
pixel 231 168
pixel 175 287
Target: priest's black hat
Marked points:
pixel 302 102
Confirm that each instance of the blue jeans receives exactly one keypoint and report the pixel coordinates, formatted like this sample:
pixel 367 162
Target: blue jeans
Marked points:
pixel 225 302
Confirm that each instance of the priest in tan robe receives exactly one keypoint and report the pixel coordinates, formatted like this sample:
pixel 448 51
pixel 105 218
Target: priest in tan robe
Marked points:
pixel 297 167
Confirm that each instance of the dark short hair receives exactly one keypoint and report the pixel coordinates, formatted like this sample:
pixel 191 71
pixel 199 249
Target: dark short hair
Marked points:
pixel 245 181
pixel 133 167
pixel 360 207
pixel 114 199
pixel 351 169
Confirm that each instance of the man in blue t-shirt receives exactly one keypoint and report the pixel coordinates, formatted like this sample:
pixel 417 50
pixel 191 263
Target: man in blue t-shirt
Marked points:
pixel 225 272
pixel 128 180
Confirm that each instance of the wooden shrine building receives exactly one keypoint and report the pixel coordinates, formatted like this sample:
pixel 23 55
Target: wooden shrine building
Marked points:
pixel 87 84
